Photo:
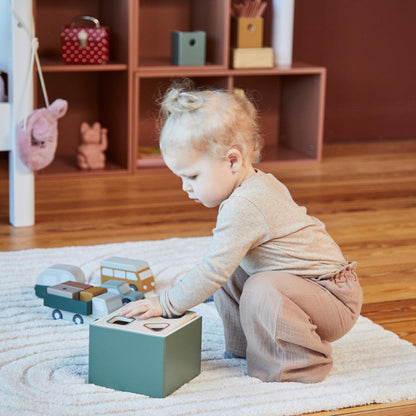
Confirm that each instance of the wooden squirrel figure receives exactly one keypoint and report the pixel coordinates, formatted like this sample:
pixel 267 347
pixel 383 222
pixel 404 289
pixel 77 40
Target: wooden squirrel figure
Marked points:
pixel 93 144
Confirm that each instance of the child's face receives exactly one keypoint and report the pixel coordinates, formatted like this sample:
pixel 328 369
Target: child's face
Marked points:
pixel 206 179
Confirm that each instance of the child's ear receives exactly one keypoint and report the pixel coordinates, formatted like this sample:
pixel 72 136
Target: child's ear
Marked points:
pixel 235 159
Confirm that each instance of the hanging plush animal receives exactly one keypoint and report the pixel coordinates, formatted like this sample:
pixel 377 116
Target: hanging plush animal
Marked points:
pixel 37 136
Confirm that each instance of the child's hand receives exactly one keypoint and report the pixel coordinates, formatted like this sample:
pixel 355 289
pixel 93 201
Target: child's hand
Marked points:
pixel 147 307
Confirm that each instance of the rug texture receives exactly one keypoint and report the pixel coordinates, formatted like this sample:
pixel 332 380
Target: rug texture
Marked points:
pixel 44 363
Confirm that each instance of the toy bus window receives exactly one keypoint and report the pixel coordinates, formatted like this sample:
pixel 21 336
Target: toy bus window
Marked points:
pixel 120 320
pixel 121 274
pixel 106 271
pixel 131 276
pixel 146 274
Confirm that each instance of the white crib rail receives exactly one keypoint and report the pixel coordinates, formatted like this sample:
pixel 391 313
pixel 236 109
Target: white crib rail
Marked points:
pixel 15 47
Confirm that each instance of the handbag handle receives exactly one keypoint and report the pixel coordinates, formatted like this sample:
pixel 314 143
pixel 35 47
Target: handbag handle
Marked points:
pixel 88 18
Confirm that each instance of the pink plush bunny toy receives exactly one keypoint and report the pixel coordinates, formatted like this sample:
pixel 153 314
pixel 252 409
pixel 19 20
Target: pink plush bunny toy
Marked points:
pixel 37 140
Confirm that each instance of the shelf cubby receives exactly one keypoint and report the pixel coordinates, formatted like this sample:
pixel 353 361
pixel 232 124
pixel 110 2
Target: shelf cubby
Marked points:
pixel 91 101
pixel 148 92
pixel 291 113
pixel 157 19
pixel 51 16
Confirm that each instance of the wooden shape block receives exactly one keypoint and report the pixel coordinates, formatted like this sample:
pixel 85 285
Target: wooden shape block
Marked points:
pixel 82 286
pixel 88 294
pixel 64 290
pixel 253 58
pixel 153 357
pixel 188 48
pixel 247 32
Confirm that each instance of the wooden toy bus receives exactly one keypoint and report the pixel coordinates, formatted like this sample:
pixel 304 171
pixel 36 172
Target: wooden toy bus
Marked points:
pixel 136 273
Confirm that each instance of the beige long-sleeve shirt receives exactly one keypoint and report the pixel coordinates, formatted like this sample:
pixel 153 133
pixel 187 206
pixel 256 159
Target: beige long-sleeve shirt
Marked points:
pixel 260 228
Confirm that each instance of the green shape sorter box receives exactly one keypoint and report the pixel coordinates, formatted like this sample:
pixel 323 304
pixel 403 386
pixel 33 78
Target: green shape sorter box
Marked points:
pixel 153 357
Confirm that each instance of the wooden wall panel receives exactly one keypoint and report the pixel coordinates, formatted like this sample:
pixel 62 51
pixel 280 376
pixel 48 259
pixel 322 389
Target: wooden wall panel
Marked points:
pixel 368 47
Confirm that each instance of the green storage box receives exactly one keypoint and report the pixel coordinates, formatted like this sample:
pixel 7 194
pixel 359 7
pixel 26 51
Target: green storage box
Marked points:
pixel 188 48
pixel 152 357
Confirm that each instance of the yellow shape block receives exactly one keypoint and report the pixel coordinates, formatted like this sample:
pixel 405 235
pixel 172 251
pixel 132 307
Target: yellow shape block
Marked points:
pixel 88 294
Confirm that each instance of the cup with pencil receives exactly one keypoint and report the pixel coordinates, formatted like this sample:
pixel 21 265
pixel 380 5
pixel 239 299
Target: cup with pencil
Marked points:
pixel 248 8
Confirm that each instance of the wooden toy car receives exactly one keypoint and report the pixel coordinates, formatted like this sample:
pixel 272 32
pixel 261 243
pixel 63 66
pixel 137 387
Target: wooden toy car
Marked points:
pixel 63 289
pixel 66 302
pixel 136 273
pixel 123 289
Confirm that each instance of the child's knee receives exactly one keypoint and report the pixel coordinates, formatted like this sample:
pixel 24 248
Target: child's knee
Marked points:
pixel 258 291
pixel 260 305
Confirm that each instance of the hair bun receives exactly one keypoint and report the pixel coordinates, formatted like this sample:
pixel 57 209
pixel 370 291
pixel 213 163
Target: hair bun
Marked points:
pixel 179 101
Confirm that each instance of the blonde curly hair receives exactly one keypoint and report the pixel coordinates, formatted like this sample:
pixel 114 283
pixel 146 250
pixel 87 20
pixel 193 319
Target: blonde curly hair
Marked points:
pixel 211 121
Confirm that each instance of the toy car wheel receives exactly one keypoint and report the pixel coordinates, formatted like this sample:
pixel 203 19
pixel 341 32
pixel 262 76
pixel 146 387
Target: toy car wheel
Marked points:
pixel 78 319
pixel 133 287
pixel 125 301
pixel 56 314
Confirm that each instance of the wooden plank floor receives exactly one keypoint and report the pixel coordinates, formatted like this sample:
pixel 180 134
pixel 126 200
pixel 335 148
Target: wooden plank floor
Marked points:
pixel 365 193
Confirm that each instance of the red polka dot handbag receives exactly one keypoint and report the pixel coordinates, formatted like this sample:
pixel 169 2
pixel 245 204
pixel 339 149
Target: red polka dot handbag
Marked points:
pixel 81 44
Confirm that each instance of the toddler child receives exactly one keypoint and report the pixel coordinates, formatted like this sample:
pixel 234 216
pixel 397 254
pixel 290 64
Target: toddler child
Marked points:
pixel 281 284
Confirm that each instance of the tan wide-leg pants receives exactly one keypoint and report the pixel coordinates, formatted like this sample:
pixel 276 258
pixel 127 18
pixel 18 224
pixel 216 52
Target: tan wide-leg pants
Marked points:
pixel 283 324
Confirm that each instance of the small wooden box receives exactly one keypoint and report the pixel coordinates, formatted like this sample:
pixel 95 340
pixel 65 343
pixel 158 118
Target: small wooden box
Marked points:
pixel 253 58
pixel 188 48
pixel 247 32
pixel 152 357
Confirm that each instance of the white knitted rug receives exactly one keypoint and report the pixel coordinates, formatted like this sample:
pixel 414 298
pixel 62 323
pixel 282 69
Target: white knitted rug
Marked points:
pixel 44 363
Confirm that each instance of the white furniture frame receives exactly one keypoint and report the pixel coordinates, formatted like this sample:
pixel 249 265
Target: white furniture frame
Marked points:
pixel 15 52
